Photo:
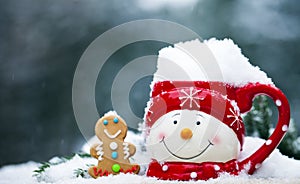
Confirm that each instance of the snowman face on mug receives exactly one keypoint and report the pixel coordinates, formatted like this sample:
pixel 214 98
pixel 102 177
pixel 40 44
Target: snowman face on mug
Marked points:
pixel 192 136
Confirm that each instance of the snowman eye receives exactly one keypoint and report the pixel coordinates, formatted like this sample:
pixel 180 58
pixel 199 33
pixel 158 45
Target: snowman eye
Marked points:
pixel 198 123
pixel 175 122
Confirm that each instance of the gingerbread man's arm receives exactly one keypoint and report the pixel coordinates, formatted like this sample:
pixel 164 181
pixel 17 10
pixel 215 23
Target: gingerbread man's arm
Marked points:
pixel 96 151
pixel 129 150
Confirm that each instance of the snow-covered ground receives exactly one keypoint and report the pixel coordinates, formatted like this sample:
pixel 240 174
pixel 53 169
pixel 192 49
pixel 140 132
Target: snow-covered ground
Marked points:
pixel 276 169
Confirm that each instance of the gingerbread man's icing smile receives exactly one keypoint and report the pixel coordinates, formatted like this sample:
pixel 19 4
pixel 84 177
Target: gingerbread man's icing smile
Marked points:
pixel 112 136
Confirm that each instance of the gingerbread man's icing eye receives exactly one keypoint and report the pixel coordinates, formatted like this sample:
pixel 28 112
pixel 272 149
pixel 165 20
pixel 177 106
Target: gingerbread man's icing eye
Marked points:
pixel 116 120
pixel 105 122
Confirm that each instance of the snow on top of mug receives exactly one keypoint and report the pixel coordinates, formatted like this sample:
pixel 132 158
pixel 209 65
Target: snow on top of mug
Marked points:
pixel 211 60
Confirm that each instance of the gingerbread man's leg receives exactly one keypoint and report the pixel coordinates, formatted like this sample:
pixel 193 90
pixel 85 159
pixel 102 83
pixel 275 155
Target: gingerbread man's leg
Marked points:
pixel 129 168
pixel 92 172
pixel 103 168
pixel 114 168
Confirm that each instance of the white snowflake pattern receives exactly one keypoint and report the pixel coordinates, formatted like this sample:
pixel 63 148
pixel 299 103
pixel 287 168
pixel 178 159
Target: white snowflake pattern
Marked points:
pixel 235 114
pixel 191 97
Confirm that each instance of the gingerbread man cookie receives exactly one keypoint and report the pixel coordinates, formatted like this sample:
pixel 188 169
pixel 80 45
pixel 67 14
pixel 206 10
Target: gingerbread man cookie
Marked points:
pixel 112 152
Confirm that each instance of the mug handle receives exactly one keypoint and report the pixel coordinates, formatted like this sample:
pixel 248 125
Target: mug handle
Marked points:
pixel 244 97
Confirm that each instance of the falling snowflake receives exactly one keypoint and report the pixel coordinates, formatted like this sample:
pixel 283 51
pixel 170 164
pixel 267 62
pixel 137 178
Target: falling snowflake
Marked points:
pixel 235 114
pixel 191 97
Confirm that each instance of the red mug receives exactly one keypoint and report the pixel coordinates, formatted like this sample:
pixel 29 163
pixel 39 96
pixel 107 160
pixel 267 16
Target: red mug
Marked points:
pixel 195 130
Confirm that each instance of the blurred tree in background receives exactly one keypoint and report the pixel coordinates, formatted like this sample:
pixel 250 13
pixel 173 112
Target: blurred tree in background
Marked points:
pixel 41 43
pixel 258 124
pixel 258 120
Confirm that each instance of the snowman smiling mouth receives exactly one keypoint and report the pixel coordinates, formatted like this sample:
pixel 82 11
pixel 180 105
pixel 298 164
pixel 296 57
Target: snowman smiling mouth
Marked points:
pixel 186 158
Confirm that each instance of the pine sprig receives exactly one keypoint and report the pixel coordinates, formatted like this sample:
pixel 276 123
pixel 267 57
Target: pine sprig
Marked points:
pixel 38 173
pixel 42 168
pixel 81 173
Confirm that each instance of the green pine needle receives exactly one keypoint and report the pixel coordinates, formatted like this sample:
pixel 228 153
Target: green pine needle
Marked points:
pixel 78 172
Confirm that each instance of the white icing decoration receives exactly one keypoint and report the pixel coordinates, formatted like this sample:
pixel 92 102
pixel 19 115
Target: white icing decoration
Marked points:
pixel 268 142
pixel 216 167
pixel 99 150
pixel 165 168
pixel 193 175
pixel 112 136
pixel 235 114
pixel 278 103
pixel 126 150
pixel 113 145
pixel 192 97
pixel 284 128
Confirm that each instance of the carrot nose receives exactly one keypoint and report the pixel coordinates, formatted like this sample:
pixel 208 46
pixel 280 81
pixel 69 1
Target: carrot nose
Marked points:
pixel 186 133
